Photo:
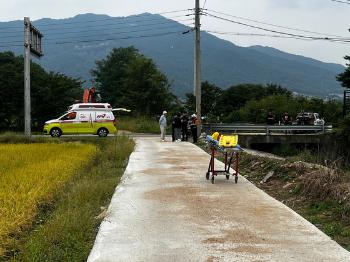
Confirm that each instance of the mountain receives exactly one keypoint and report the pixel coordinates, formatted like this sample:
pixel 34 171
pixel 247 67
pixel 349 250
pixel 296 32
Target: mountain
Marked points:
pixel 72 46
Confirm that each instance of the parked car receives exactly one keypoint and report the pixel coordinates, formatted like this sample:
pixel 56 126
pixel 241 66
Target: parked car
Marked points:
pixel 309 118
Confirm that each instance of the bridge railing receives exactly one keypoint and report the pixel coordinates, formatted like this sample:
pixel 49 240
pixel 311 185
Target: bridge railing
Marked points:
pixel 266 129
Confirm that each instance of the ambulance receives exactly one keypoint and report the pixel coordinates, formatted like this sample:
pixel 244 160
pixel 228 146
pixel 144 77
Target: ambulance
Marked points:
pixel 85 118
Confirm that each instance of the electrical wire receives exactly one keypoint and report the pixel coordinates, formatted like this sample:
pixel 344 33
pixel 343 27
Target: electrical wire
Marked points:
pixel 120 38
pixel 279 26
pixel 279 32
pixel 106 39
pixel 113 30
pixel 48 40
pixel 343 1
pixel 121 32
pixel 266 35
pixel 111 18
pixel 102 25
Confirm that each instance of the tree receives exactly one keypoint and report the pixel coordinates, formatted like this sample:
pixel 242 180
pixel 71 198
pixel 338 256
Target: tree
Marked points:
pixel 51 93
pixel 210 100
pixel 126 78
pixel 344 78
pixel 237 97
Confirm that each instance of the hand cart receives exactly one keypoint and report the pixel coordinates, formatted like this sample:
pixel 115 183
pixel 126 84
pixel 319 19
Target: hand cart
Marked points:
pixel 231 157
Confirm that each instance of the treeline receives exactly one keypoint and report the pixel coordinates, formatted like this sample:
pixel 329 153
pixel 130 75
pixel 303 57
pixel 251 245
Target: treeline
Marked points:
pixel 51 93
pixel 126 78
pixel 251 103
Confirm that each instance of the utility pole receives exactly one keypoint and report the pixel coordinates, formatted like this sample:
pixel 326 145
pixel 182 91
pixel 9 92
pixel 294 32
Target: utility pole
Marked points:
pixel 197 67
pixel 27 106
pixel 32 45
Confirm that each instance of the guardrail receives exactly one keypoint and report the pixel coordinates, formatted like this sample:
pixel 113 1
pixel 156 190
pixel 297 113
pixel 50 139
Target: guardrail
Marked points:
pixel 266 129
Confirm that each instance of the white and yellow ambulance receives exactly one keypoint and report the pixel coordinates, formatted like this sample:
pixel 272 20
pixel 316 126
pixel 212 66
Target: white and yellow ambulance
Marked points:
pixel 85 118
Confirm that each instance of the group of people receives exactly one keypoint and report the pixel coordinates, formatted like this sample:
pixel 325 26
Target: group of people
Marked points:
pixel 271 119
pixel 179 126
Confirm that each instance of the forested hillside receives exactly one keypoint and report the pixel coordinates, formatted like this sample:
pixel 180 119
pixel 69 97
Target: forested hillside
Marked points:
pixel 73 45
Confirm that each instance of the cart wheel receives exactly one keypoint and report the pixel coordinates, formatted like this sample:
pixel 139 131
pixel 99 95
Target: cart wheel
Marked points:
pixel 212 179
pixel 207 175
pixel 236 179
pixel 227 177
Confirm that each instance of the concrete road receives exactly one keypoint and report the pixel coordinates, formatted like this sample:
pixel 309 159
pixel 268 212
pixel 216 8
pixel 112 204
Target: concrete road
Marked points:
pixel 165 210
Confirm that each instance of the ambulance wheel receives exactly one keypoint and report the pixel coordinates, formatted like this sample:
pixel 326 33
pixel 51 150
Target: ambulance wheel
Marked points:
pixel 207 175
pixel 102 132
pixel 55 132
pixel 227 177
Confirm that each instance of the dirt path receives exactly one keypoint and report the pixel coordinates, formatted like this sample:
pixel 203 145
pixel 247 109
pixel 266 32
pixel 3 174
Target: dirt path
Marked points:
pixel 165 210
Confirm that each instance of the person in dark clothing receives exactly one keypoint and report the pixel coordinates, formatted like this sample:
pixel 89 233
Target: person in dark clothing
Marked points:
pixel 194 124
pixel 173 129
pixel 177 127
pixel 184 124
pixel 270 119
pixel 287 119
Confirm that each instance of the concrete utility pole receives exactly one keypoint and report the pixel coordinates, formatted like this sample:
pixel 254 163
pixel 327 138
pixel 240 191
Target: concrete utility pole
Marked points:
pixel 197 67
pixel 32 45
pixel 27 40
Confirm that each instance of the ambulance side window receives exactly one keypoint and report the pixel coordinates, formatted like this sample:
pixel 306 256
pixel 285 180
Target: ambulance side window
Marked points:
pixel 69 116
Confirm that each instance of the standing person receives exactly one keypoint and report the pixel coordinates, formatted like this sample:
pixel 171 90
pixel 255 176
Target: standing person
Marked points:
pixel 177 127
pixel 270 118
pixel 163 125
pixel 173 129
pixel 184 124
pixel 287 119
pixel 194 124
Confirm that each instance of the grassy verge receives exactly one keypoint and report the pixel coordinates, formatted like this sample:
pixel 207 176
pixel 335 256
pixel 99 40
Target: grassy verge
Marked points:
pixel 319 194
pixel 138 125
pixel 66 226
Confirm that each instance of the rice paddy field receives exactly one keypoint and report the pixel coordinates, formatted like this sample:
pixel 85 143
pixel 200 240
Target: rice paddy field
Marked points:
pixel 30 174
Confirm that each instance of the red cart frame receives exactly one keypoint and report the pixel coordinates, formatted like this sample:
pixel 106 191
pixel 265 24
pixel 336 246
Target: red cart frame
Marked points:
pixel 230 154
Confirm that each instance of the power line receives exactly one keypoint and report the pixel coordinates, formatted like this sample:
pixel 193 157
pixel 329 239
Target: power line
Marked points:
pixel 106 39
pixel 107 24
pixel 105 19
pixel 111 18
pixel 343 2
pixel 268 35
pixel 129 26
pixel 279 32
pixel 120 38
pixel 270 24
pixel 116 28
pixel 117 32
pixel 123 32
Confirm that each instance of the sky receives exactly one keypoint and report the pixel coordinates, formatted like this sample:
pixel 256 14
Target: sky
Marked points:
pixel 324 16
